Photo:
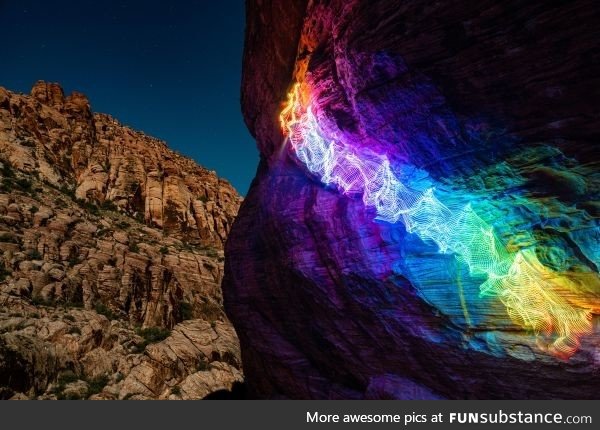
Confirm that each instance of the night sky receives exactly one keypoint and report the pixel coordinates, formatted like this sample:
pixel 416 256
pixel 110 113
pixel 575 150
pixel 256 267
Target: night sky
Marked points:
pixel 170 69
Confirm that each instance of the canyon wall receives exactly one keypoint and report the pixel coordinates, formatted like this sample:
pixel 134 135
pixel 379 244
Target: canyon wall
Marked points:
pixel 111 258
pixel 491 105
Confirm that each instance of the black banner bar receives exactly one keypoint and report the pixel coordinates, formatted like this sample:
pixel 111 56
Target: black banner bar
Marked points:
pixel 165 415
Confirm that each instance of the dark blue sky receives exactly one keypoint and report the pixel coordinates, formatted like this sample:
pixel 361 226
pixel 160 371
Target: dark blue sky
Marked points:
pixel 169 68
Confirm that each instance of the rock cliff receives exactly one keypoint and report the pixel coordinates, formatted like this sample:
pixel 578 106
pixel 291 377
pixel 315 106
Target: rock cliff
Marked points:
pixel 111 258
pixel 485 285
pixel 60 140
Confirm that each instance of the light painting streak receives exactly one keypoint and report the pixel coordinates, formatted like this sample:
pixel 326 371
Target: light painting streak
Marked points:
pixel 536 297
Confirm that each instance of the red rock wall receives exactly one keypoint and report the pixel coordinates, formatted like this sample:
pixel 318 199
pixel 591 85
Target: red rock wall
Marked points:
pixel 320 295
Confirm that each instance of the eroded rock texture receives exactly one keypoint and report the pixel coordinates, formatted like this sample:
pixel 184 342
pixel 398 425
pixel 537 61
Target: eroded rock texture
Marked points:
pixel 494 102
pixel 64 143
pixel 111 259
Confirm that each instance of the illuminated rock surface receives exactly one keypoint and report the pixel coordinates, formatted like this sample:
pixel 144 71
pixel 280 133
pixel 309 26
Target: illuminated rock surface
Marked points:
pixel 489 106
pixel 105 231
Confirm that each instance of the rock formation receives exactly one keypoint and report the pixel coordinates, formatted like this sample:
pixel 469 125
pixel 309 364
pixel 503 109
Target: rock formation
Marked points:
pixel 493 108
pixel 65 144
pixel 111 258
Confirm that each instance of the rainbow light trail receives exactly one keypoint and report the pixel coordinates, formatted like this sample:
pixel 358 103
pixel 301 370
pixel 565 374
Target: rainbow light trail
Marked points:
pixel 536 297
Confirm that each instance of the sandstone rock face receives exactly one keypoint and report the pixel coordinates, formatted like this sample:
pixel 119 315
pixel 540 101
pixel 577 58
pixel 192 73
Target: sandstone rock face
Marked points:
pixel 60 353
pixel 108 163
pixel 491 102
pixel 111 259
